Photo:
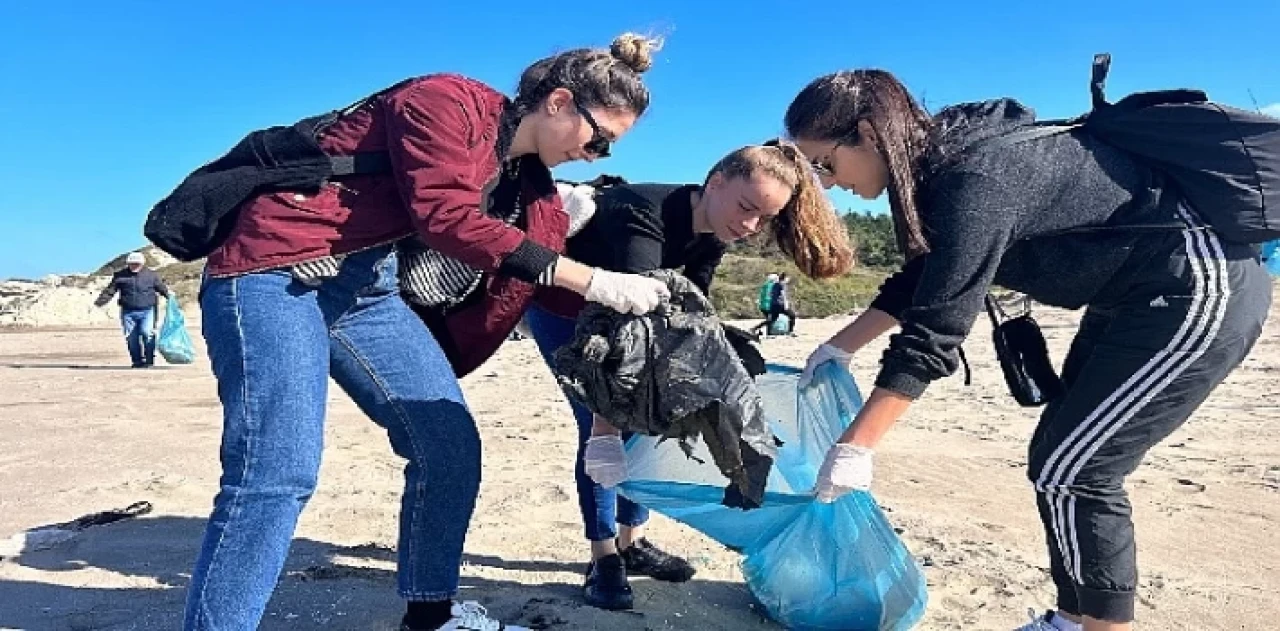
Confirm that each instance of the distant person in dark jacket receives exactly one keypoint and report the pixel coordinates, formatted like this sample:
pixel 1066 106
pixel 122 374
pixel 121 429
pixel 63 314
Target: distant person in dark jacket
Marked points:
pixel 684 227
pixel 1169 312
pixel 138 287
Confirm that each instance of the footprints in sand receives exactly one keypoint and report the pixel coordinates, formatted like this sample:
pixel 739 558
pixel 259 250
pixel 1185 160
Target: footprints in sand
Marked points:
pixel 545 613
pixel 524 496
pixel 1184 485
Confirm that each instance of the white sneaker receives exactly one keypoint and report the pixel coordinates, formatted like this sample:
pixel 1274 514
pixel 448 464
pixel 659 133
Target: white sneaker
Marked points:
pixel 470 616
pixel 1041 623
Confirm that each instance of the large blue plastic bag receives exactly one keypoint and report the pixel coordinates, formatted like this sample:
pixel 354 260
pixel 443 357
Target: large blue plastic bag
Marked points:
pixel 810 565
pixel 175 344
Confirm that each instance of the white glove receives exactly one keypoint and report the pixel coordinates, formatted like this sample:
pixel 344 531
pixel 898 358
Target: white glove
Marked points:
pixel 579 203
pixel 846 468
pixel 605 460
pixel 626 293
pixel 826 352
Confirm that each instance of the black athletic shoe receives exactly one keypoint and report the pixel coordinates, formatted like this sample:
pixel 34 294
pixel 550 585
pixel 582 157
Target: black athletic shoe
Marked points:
pixel 646 559
pixel 607 586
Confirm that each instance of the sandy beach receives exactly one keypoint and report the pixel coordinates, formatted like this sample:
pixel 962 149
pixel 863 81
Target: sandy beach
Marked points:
pixel 83 433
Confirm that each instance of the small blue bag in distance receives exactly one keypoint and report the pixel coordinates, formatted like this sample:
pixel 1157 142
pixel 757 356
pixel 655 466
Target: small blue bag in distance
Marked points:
pixel 174 344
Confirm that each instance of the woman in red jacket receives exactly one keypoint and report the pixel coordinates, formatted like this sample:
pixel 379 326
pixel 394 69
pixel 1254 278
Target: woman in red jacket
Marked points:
pixel 310 287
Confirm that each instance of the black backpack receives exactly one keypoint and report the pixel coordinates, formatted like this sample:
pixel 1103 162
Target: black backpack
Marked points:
pixel 1225 161
pixel 200 213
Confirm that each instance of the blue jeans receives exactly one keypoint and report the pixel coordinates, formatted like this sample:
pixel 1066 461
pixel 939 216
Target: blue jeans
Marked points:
pixel 139 327
pixel 601 508
pixel 273 343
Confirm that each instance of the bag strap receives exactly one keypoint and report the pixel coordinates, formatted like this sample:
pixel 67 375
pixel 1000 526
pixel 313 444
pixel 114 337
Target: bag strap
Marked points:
pixel 1045 129
pixel 366 163
pixel 968 372
pixel 1034 131
pixel 1098 80
pixel 995 311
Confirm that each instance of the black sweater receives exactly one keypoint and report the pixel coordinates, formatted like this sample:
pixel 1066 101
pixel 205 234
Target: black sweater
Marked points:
pixel 137 289
pixel 996 216
pixel 644 227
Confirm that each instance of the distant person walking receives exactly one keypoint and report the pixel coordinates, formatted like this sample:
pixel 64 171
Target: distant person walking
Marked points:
pixel 763 301
pixel 137 287
pixel 780 304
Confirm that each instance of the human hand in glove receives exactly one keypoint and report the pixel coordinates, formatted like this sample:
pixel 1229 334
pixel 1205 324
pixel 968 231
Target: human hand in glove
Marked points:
pixel 626 293
pixel 605 460
pixel 826 352
pixel 846 468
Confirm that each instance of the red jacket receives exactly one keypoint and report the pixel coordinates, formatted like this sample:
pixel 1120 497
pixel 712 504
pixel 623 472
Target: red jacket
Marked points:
pixel 440 132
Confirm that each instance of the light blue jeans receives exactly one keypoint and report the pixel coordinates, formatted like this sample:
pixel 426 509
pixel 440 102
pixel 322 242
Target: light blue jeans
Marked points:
pixel 274 342
pixel 139 328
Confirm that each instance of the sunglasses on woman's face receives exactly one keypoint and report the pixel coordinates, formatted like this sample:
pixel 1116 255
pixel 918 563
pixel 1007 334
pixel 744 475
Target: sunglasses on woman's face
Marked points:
pixel 598 146
pixel 824 166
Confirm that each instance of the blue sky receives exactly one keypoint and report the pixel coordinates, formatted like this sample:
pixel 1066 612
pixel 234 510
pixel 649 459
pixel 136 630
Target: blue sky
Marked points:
pixel 104 107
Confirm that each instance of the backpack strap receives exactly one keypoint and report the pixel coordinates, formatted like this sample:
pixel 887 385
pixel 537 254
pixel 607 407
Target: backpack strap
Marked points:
pixel 994 310
pixel 1034 131
pixel 367 163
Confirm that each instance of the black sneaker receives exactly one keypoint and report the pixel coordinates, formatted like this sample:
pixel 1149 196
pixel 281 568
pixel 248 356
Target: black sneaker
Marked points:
pixel 607 586
pixel 646 559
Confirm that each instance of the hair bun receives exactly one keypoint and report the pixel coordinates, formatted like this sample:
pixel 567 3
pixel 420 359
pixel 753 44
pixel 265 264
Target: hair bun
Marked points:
pixel 636 51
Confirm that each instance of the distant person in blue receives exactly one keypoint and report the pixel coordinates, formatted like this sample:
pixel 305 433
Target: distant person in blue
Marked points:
pixel 138 288
pixel 780 305
pixel 1168 313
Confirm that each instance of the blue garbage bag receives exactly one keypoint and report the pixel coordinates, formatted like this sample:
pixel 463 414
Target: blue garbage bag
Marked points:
pixel 1271 256
pixel 812 566
pixel 174 344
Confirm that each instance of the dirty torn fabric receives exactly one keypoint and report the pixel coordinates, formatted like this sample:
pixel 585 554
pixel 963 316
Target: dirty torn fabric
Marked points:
pixel 673 373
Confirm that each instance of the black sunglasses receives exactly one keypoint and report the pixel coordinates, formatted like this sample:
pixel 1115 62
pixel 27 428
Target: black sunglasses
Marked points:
pixel 825 167
pixel 599 143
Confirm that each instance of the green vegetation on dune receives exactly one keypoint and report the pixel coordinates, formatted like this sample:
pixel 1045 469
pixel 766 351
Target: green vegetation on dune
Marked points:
pixel 181 278
pixel 184 280
pixel 737 284
pixel 737 287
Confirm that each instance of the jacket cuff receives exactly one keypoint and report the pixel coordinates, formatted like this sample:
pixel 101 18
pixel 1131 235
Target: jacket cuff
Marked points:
pixel 528 261
pixel 905 382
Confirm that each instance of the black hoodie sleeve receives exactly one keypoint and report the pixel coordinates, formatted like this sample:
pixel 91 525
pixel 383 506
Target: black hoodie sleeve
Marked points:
pixel 971 220
pixel 896 290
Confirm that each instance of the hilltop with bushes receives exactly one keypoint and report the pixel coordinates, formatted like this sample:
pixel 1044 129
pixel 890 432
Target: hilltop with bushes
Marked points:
pixel 738 280
pixel 68 300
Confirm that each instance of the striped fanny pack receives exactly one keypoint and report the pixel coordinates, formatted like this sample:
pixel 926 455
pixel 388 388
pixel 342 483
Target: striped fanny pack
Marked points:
pixel 427 277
